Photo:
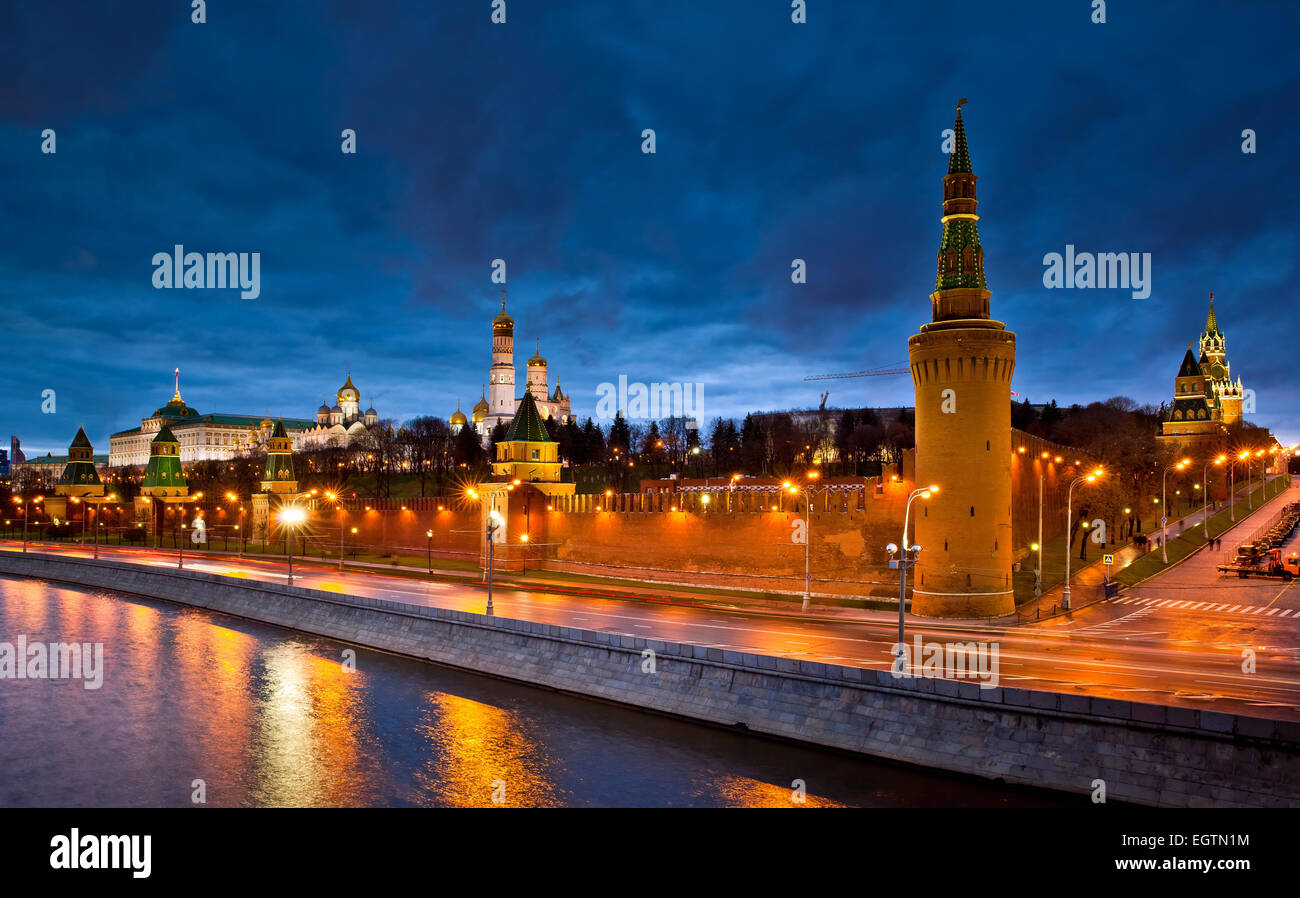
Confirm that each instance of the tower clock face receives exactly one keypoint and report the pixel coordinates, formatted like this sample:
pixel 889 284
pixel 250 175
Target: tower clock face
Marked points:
pixel 1218 372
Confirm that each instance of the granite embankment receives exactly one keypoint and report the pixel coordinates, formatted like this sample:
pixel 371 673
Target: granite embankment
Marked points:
pixel 1149 754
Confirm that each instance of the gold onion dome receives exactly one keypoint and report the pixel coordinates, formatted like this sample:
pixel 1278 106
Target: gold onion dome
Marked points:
pixel 503 321
pixel 537 361
pixel 347 391
pixel 458 417
pixel 481 409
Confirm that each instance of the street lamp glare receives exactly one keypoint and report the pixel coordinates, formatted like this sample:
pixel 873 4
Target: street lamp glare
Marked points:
pixel 891 549
pixel 933 488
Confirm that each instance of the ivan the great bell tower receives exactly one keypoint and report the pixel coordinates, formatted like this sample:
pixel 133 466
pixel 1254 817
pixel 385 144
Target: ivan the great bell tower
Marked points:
pixel 961 364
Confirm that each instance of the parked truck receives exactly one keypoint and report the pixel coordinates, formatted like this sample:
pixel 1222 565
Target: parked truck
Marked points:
pixel 1257 561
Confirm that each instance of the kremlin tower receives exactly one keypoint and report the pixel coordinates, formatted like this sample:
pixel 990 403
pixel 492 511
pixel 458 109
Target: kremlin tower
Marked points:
pixel 962 362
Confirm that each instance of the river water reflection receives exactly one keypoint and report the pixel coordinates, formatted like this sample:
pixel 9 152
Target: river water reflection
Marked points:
pixel 264 716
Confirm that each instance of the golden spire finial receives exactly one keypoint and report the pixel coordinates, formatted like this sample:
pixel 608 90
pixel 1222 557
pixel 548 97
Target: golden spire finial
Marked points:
pixel 503 300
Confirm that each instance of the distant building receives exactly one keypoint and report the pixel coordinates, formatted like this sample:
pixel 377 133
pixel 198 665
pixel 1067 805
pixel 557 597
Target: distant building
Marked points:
pixel 341 423
pixel 200 437
pixel 499 402
pixel 1206 399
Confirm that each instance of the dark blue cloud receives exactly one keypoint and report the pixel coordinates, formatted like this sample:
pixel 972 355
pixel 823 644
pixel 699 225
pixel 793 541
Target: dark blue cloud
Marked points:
pixel 775 141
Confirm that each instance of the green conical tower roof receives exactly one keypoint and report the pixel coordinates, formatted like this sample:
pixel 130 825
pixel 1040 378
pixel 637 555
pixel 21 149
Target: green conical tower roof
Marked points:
pixel 527 424
pixel 1189 367
pixel 163 472
pixel 278 476
pixel 961 258
pixel 80 469
pixel 1211 322
pixel 959 161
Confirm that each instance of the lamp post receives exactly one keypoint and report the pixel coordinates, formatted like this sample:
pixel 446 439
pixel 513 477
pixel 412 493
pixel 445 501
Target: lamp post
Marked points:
pixel 342 527
pixel 428 550
pixel 180 540
pixel 27 513
pixel 493 524
pixel 291 517
pixel 1164 508
pixel 1250 499
pixel 908 556
pixel 1205 493
pixel 1069 500
pixel 1038 547
pixel 808 493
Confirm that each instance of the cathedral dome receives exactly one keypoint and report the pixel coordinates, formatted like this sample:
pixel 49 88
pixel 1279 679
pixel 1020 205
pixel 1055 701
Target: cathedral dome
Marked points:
pixel 481 409
pixel 537 361
pixel 458 418
pixel 503 322
pixel 323 410
pixel 349 393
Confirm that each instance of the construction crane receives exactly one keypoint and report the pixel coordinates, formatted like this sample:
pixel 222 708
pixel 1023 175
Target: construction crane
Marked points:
pixel 874 372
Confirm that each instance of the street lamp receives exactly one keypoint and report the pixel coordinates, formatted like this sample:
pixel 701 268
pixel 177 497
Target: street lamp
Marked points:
pixel 27 513
pixel 428 550
pixel 1069 499
pixel 290 518
pixel 808 493
pixel 1164 508
pixel 1205 493
pixel 908 556
pixel 1038 546
pixel 493 525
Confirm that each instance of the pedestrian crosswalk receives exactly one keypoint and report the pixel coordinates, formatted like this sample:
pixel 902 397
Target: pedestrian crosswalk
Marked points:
pixel 1217 607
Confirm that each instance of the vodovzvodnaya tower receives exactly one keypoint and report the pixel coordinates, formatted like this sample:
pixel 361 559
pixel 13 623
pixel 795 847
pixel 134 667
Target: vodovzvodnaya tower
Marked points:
pixel 961 364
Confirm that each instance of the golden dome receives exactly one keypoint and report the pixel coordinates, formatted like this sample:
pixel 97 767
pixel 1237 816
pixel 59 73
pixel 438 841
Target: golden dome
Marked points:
pixel 537 361
pixel 347 392
pixel 480 410
pixel 458 417
pixel 503 322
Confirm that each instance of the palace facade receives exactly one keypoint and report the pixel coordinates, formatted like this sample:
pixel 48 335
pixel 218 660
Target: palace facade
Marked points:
pixel 202 437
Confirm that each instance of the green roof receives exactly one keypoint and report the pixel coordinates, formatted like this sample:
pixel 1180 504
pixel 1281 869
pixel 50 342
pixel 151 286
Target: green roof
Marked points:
pixel 81 441
pixel 279 430
pixel 1211 322
pixel 527 424
pixel 165 435
pixel 50 459
pixel 959 160
pixel 1189 367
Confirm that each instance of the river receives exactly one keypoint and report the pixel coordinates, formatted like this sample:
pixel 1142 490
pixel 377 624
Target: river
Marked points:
pixel 195 705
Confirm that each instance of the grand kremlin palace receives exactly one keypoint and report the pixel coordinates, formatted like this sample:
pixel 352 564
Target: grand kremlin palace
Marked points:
pixel 222 436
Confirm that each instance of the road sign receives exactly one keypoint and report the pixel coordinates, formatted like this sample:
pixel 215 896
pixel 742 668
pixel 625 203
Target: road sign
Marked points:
pixel 1108 559
pixel 1164 520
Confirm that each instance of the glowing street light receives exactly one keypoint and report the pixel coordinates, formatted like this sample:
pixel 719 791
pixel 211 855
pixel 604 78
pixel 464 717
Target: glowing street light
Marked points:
pixel 1164 517
pixel 1069 497
pixel 291 517
pixel 1205 493
pixel 908 557
pixel 495 522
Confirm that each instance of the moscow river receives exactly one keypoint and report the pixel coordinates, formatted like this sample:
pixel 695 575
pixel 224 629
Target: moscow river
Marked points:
pixel 238 713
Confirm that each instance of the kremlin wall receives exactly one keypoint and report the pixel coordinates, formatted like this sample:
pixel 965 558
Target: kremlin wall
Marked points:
pixel 734 540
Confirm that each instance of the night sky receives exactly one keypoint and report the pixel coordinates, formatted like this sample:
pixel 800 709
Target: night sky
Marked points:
pixel 522 141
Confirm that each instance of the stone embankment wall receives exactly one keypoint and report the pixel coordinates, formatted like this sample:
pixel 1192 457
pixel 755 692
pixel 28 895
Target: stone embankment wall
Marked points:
pixel 1148 754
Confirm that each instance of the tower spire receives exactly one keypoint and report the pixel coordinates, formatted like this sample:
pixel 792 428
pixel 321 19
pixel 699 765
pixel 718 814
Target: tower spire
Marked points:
pixel 176 397
pixel 961 293
pixel 1211 322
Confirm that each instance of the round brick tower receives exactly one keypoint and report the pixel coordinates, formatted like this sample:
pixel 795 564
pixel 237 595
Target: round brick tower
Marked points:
pixel 961 364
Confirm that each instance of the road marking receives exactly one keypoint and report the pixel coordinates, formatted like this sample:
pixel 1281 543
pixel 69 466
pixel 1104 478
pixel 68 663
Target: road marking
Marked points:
pixel 1274 611
pixel 1233 608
